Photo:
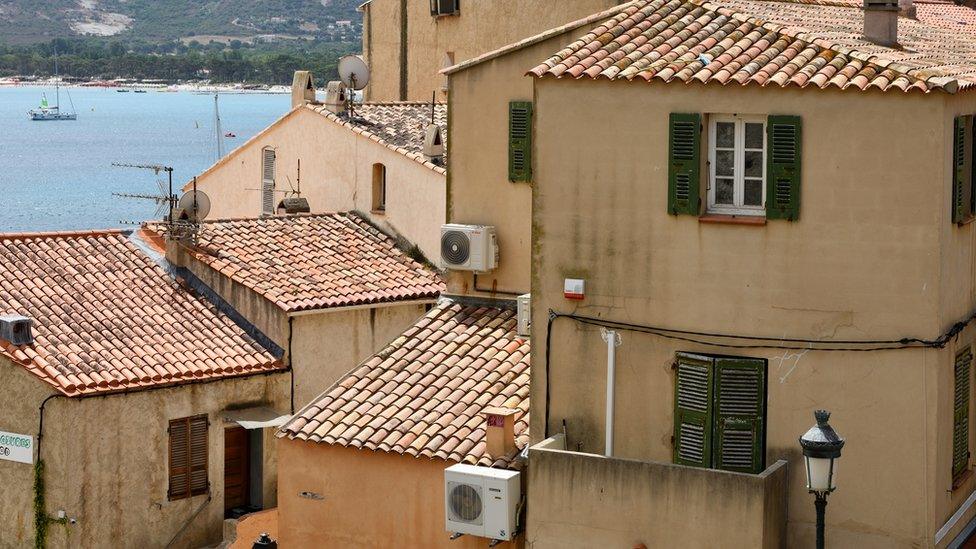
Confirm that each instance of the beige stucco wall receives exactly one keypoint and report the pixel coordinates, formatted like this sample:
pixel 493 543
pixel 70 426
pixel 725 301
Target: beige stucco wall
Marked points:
pixel 336 175
pixel 481 27
pixel 576 502
pixel 326 346
pixel 863 262
pixel 371 499
pixel 106 461
pixel 479 191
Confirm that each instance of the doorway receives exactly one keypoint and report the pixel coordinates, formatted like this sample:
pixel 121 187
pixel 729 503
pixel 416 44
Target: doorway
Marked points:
pixel 237 472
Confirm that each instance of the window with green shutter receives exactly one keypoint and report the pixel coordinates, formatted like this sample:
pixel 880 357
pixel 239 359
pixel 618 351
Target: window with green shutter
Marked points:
pixel 520 141
pixel 720 408
pixel 783 167
pixel 962 169
pixel 684 164
pixel 960 421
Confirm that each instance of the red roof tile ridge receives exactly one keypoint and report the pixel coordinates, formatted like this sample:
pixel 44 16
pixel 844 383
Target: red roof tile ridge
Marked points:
pixel 92 233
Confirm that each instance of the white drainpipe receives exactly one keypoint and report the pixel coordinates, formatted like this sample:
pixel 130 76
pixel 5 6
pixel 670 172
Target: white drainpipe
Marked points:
pixel 613 341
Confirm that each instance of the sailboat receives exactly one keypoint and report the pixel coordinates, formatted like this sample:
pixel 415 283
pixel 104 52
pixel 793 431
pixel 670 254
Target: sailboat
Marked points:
pixel 46 111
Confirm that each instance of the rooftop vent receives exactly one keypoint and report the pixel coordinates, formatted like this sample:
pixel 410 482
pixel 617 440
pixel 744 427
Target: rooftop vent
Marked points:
pixel 881 22
pixel 335 97
pixel 302 89
pixel 434 143
pixel 16 329
pixel 294 205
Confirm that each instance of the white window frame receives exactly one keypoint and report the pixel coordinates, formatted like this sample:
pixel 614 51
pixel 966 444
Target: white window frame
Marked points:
pixel 738 195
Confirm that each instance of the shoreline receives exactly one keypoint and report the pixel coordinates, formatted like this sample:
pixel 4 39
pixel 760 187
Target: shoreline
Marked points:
pixel 156 86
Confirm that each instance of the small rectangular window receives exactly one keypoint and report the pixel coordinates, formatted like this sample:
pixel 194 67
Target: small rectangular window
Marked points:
pixel 737 165
pixel 188 452
pixel 444 7
pixel 379 188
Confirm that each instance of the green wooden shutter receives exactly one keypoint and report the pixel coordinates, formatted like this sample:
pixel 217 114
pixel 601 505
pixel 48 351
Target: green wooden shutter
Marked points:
pixel 739 415
pixel 520 141
pixel 693 411
pixel 960 422
pixel 962 192
pixel 783 140
pixel 684 164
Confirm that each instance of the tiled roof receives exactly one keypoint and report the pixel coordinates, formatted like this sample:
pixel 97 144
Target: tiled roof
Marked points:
pixel 785 43
pixel 304 262
pixel 107 318
pixel 401 126
pixel 425 393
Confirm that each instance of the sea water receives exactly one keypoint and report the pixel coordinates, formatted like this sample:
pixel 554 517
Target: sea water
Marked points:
pixel 57 176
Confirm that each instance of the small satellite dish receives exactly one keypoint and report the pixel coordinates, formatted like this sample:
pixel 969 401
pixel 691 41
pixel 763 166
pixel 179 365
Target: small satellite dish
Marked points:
pixel 194 206
pixel 354 72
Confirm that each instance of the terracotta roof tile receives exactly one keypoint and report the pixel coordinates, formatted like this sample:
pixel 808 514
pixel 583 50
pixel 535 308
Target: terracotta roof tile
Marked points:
pixel 107 318
pixel 309 262
pixel 785 43
pixel 401 126
pixel 411 416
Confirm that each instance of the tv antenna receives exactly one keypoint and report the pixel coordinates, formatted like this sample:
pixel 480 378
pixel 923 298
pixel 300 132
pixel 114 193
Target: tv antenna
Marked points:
pixel 354 73
pixel 163 200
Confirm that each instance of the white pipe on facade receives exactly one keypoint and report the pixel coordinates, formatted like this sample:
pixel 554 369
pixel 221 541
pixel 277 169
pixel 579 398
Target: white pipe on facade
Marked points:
pixel 613 341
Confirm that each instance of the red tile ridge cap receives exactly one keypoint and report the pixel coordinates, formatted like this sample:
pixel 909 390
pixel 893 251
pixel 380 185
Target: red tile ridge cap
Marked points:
pixel 64 234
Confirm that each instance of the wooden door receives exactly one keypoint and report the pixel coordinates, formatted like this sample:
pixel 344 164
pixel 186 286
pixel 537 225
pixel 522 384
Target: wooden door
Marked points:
pixel 237 470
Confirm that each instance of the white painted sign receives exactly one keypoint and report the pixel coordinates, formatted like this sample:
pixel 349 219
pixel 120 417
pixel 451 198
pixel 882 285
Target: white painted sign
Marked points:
pixel 14 447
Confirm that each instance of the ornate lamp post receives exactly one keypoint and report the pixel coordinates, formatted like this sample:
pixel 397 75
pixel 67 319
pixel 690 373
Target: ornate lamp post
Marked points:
pixel 821 448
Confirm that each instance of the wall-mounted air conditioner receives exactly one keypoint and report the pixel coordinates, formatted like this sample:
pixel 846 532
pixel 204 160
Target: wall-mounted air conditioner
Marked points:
pixel 525 315
pixel 481 501
pixel 469 248
pixel 444 7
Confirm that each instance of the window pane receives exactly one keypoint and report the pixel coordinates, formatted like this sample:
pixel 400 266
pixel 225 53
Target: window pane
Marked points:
pixel 725 163
pixel 754 167
pixel 753 192
pixel 754 136
pixel 723 191
pixel 725 134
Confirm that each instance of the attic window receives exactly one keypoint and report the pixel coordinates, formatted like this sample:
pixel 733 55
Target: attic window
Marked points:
pixel 379 188
pixel 440 8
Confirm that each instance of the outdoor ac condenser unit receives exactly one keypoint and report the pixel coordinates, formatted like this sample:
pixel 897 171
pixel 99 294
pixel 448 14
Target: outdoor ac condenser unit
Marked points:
pixel 525 315
pixel 469 248
pixel 481 501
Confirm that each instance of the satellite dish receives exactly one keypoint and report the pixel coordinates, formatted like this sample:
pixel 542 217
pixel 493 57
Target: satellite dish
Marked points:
pixel 354 72
pixel 194 206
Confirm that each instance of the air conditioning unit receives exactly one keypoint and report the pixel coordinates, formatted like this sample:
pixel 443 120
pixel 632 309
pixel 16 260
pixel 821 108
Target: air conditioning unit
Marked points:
pixel 525 315
pixel 444 7
pixel 481 501
pixel 16 329
pixel 469 248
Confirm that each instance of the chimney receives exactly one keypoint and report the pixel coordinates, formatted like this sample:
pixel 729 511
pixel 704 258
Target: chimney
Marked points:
pixel 16 329
pixel 302 89
pixel 499 431
pixel 335 97
pixel 906 8
pixel 881 21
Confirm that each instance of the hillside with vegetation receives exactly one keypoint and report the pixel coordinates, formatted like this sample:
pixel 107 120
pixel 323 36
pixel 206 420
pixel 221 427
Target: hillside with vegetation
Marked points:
pixel 34 21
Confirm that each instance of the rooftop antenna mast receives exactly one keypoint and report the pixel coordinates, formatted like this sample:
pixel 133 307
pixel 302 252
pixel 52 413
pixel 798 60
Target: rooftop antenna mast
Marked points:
pixel 169 198
pixel 217 128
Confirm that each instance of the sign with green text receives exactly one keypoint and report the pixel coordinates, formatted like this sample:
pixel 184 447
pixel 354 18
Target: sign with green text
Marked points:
pixel 14 447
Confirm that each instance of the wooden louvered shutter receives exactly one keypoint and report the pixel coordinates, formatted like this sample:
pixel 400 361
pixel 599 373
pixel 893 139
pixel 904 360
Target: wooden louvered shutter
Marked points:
pixel 179 459
pixel 960 422
pixel 693 411
pixel 783 167
pixel 268 182
pixel 684 164
pixel 962 169
pixel 739 410
pixel 198 455
pixel 520 141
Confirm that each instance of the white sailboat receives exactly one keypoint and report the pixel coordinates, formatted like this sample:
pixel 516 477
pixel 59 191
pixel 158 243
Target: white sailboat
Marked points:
pixel 47 112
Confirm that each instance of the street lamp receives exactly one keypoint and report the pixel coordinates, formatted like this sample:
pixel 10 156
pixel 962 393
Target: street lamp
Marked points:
pixel 821 448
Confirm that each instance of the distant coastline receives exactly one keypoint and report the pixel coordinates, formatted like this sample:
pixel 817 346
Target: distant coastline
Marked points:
pixel 201 86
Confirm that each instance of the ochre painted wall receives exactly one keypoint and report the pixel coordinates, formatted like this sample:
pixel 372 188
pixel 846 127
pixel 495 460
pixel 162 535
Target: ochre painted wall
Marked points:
pixel 336 176
pixel 479 191
pixel 106 461
pixel 328 345
pixel 371 499
pixel 863 262
pixel 482 26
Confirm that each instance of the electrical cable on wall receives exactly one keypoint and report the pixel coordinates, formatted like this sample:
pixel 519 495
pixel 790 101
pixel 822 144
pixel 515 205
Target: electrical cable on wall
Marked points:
pixel 727 341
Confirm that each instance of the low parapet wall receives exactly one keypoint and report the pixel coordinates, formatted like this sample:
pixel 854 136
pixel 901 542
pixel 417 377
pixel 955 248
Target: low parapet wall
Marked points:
pixel 586 500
